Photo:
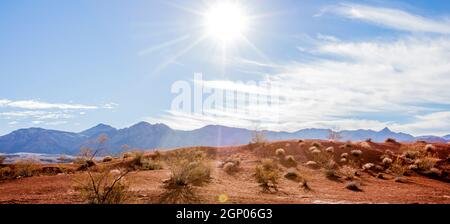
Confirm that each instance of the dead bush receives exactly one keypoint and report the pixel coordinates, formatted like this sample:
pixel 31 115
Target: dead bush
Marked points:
pixel 107 159
pixel 6 173
pixel 188 168
pixel 317 145
pixel 280 152
pixel 105 187
pixel 230 167
pixel 348 172
pixel 26 168
pixel 397 167
pixel 267 175
pixel 391 140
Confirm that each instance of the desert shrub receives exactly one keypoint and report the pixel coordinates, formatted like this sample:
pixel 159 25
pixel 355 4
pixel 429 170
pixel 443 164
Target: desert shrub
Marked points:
pixel 426 163
pixel 267 175
pixel 391 140
pixel 317 145
pixel 141 162
pixel 5 173
pixel 348 172
pixel 369 140
pixel 280 152
pixel 300 141
pixel 353 186
pixel 150 164
pixel 235 161
pixel 397 167
pixel 188 168
pixel 389 152
pixel 368 166
pixel 411 154
pixel 26 168
pixel 230 168
pixel 2 159
pixel 107 159
pixel 356 153
pixel 429 148
pixel 312 164
pixel 387 162
pixel 348 145
pixel 330 150
pixel 105 187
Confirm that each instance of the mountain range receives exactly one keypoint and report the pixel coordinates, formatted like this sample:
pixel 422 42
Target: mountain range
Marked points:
pixel 159 136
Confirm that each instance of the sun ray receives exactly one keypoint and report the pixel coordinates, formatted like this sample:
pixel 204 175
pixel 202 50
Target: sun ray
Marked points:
pixel 164 45
pixel 183 8
pixel 179 54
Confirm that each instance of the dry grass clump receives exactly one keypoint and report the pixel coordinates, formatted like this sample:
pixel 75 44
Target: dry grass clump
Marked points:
pixel 387 161
pixel 280 152
pixel 231 165
pixel 6 173
pixel 356 153
pixel 141 162
pixel 26 168
pixel 391 140
pixel 429 148
pixel 107 159
pixel 330 150
pixel 344 155
pixel 312 165
pixel 348 172
pixel 105 187
pixel 420 156
pixel 267 175
pixel 188 168
pixel 317 145
pixel 397 167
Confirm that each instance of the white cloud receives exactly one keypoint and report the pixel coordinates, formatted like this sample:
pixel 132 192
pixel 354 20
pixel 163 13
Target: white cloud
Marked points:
pixel 38 105
pixel 391 18
pixel 377 78
pixel 366 84
pixel 39 115
pixel 437 123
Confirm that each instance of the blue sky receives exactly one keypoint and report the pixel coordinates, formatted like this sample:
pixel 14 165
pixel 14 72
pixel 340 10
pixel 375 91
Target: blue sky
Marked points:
pixel 69 65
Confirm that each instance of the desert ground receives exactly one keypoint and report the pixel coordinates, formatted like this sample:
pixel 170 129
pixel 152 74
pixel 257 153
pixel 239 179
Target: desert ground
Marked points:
pixel 57 183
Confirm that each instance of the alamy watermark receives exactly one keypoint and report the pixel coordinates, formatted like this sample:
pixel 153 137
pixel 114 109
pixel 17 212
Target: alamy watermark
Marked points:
pixel 250 100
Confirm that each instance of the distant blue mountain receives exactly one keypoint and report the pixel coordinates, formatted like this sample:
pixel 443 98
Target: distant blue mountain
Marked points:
pixel 152 136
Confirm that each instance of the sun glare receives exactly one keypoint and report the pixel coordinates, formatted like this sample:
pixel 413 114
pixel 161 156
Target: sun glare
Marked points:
pixel 226 22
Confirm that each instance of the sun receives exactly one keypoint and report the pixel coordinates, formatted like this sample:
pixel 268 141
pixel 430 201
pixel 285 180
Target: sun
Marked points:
pixel 226 22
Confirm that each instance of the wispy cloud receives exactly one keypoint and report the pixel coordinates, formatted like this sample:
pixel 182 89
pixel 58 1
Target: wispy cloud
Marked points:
pixel 33 112
pixel 391 18
pixel 39 105
pixel 366 84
